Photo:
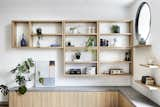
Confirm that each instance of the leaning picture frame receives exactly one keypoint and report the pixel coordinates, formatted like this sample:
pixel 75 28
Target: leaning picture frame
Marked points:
pixel 45 74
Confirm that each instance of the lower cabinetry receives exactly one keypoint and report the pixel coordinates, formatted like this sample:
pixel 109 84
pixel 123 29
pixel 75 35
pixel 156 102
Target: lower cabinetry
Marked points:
pixel 68 99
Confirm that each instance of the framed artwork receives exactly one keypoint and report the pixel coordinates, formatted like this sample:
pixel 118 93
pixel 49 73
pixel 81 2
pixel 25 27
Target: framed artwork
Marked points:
pixel 45 74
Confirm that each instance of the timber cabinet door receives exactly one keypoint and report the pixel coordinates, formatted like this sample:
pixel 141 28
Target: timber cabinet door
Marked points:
pixel 124 102
pixel 68 99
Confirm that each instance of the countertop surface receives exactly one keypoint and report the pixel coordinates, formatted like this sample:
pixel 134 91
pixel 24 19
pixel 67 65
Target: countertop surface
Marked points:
pixel 133 96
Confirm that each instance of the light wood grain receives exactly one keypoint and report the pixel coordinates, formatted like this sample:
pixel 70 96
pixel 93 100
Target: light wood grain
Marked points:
pixel 124 102
pixel 63 35
pixel 64 99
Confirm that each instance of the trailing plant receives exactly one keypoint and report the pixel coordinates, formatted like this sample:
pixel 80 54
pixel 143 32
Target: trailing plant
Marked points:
pixel 20 70
pixel 4 89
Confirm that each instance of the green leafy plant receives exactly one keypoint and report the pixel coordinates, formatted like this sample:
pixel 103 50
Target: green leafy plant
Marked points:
pixel 4 89
pixel 41 80
pixel 22 90
pixel 90 41
pixel 115 29
pixel 20 70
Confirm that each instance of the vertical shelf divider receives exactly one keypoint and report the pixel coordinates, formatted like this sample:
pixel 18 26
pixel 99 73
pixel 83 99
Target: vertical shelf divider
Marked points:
pixel 132 48
pixel 14 38
pixel 64 49
pixel 98 49
pixel 30 39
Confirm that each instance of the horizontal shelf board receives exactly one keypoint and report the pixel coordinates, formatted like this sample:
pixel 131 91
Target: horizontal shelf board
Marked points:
pixel 97 75
pixel 142 46
pixel 116 34
pixel 80 21
pixel 126 74
pixel 92 34
pixel 115 21
pixel 81 48
pixel 81 75
pixel 46 21
pixel 150 66
pixel 20 21
pixel 116 48
pixel 59 34
pixel 148 86
pixel 80 62
pixel 40 47
pixel 115 62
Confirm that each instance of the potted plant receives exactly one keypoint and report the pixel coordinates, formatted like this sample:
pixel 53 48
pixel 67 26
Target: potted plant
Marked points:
pixel 21 70
pixel 115 29
pixel 78 55
pixel 90 41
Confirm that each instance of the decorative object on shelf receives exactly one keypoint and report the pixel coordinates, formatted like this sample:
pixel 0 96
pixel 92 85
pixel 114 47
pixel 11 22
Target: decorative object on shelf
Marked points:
pixel 54 45
pixel 73 30
pixel 127 56
pixel 114 71
pixel 90 41
pixel 101 42
pixel 45 74
pixel 142 41
pixel 104 42
pixel 90 70
pixel 23 75
pixel 115 29
pixel 114 42
pixel 75 71
pixel 143 22
pixel 39 31
pixel 68 43
pixel 151 60
pixel 148 80
pixel 77 55
pixel 38 42
pixel 91 29
pixel 23 41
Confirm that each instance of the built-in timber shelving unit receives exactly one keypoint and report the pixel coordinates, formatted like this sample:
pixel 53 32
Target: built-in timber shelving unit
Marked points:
pixel 73 35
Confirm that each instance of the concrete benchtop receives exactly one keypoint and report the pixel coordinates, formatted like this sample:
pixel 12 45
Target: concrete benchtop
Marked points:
pixel 133 96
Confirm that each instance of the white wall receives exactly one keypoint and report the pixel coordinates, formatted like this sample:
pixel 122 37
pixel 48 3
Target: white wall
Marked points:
pixel 142 54
pixel 29 9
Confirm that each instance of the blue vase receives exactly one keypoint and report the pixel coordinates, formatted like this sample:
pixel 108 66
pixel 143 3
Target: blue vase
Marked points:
pixel 23 41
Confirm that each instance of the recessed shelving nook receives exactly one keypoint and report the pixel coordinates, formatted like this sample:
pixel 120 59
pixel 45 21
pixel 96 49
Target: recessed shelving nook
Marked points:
pixel 90 47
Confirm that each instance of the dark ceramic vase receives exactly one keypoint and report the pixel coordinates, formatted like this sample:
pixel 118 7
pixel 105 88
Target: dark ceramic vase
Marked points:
pixel 39 31
pixel 23 41
pixel 78 56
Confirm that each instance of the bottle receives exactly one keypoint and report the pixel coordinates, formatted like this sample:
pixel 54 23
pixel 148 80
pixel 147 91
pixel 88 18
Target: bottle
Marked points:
pixel 101 42
pixel 23 41
pixel 127 56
